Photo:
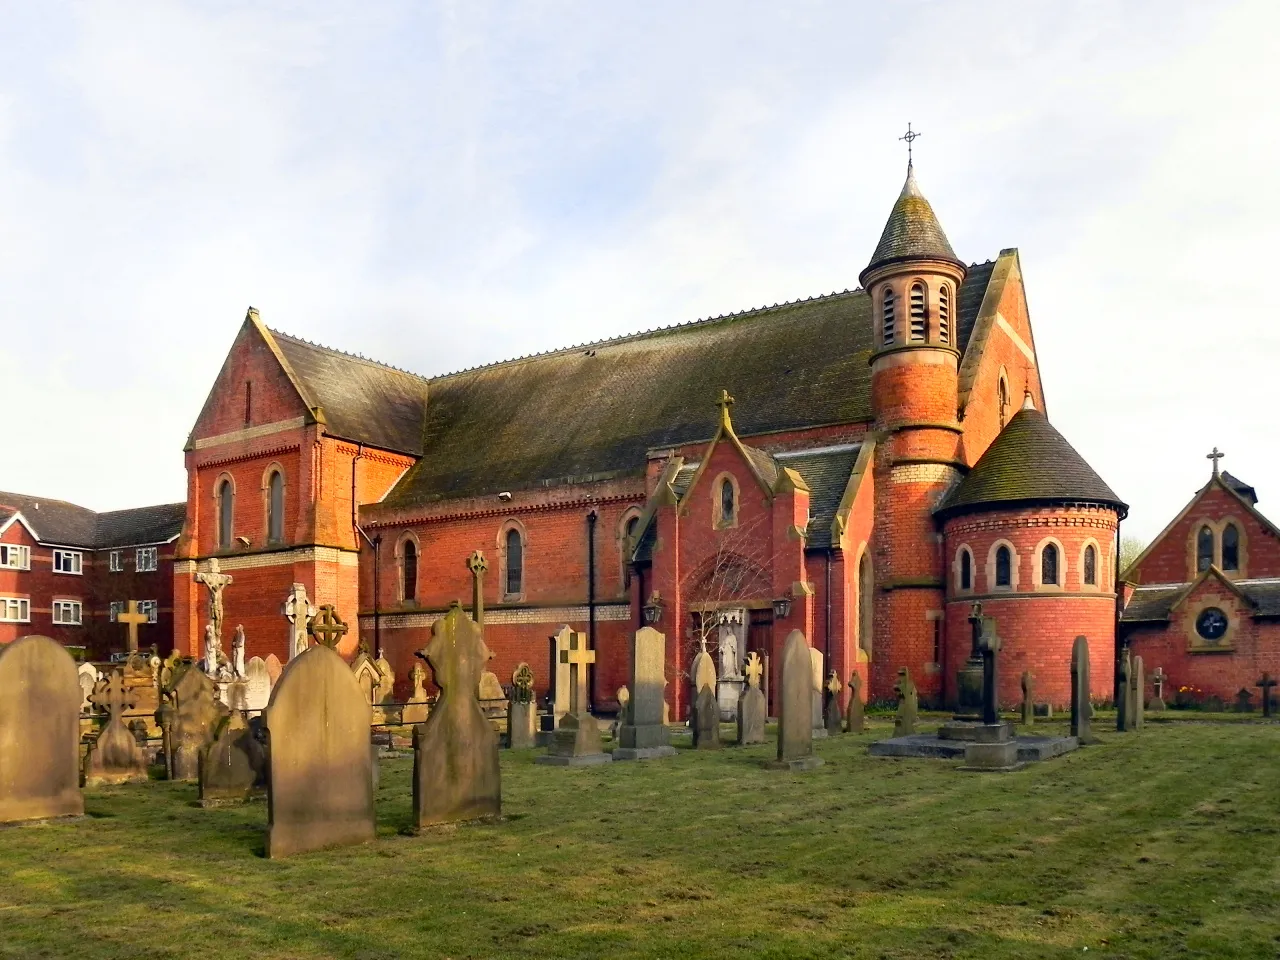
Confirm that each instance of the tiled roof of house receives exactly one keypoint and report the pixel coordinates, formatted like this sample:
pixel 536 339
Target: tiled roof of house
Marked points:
pixel 1153 604
pixel 912 231
pixel 68 524
pixel 140 525
pixel 595 411
pixel 1029 462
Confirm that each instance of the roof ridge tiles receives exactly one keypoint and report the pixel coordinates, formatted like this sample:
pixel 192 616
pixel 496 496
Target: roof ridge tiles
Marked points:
pixel 347 354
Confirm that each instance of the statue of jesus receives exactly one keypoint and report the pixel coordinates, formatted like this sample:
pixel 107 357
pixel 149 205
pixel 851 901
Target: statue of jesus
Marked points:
pixel 216 581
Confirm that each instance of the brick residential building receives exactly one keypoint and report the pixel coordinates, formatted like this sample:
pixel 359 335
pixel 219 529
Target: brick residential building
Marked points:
pixel 732 479
pixel 65 571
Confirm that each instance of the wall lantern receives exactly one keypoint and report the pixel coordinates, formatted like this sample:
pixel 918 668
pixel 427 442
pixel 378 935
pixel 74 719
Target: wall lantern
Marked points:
pixel 782 608
pixel 653 609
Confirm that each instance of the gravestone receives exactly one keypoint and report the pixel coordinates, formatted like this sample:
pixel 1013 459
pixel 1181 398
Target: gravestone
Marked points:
pixel 489 690
pixel 1157 690
pixel 416 710
pixel 904 724
pixel 87 674
pixel 576 742
pixel 1124 702
pixel 854 713
pixel 196 714
pixel 795 708
pixel 561 699
pixel 274 669
pixel 384 694
pixel 1138 687
pixel 1028 699
pixel 1244 701
pixel 115 756
pixel 644 735
pixel 40 698
pixel 815 662
pixel 233 768
pixel 365 669
pixel 1265 683
pixel 257 685
pixel 455 753
pixel 751 705
pixel 298 612
pixel 1081 709
pixel 706 720
pixel 522 712
pixel 702 674
pixel 835 722
pixel 320 778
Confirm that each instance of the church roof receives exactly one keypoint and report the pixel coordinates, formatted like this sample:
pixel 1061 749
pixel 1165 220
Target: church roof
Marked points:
pixel 595 411
pixel 1029 462
pixel 68 524
pixel 1154 603
pixel 912 231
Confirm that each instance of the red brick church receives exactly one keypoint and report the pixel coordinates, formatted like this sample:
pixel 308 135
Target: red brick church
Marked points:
pixel 862 465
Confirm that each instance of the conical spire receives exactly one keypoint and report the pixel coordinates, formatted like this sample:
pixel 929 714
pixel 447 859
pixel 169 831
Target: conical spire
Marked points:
pixel 913 231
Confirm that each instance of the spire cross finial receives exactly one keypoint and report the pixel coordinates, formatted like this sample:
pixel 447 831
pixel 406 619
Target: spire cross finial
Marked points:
pixel 1215 457
pixel 910 136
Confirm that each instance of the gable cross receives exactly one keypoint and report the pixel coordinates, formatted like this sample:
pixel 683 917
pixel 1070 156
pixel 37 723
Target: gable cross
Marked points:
pixel 724 402
pixel 114 696
pixel 1215 456
pixel 477 564
pixel 578 657
pixel 132 618
pixel 327 627
pixel 753 669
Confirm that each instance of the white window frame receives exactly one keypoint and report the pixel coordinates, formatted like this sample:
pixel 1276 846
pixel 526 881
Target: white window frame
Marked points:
pixel 116 562
pixel 15 556
pixel 151 608
pixel 115 609
pixel 151 554
pixel 64 609
pixel 15 610
pixel 72 559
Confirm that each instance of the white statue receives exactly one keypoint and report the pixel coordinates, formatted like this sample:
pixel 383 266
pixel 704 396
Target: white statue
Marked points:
pixel 237 653
pixel 216 581
pixel 298 611
pixel 730 625
pixel 212 653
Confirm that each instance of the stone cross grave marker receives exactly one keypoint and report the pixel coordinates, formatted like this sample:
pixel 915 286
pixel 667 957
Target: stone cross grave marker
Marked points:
pixel 751 703
pixel 416 710
pixel 854 718
pixel 1124 702
pixel 1157 688
pixel 477 564
pixel 577 740
pixel 795 713
pixel 834 720
pixel 217 582
pixel 644 735
pixel 1265 683
pixel 560 671
pixel 114 757
pixel 522 711
pixel 132 619
pixel 904 724
pixel 327 627
pixel 298 611
pixel 989 643
pixel 1028 698
pixel 455 753
pixel 1081 709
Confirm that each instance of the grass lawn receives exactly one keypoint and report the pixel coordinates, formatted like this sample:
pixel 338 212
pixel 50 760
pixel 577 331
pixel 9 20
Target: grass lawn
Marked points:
pixel 1162 844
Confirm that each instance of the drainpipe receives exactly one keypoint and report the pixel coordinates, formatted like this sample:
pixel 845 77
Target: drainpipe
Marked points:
pixel 830 665
pixel 1118 646
pixel 591 603
pixel 377 580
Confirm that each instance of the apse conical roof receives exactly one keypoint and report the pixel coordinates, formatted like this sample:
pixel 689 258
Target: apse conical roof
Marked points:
pixel 1029 462
pixel 912 232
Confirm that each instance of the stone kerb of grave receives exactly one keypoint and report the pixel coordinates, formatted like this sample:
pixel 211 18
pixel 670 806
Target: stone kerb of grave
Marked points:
pixel 795 713
pixel 456 776
pixel 40 699
pixel 320 777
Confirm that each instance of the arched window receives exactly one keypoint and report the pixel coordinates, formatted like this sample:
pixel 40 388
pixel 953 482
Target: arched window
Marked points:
pixel 887 316
pixel 275 507
pixel 1004 574
pixel 515 562
pixel 726 502
pixel 944 313
pixel 966 570
pixel 628 545
pixel 917 311
pixel 226 506
pixel 1002 397
pixel 1204 549
pixel 865 613
pixel 1230 547
pixel 410 570
pixel 1049 564
pixel 1090 566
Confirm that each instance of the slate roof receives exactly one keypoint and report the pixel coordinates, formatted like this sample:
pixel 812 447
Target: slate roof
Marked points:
pixel 1154 603
pixel 1029 462
pixel 364 401
pixel 1240 487
pixel 912 231
pixel 68 524
pixel 595 411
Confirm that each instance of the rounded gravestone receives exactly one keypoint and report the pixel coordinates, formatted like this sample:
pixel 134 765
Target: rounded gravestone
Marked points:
pixel 320 777
pixel 40 699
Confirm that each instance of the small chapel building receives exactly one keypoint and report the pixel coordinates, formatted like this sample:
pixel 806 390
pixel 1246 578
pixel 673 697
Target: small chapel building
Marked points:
pixel 862 465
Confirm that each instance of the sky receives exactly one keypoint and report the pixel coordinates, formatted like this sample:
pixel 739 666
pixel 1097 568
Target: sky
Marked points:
pixel 441 185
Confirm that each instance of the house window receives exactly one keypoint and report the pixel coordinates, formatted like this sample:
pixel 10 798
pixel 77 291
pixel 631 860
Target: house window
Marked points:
pixel 67 561
pixel 15 556
pixel 66 612
pixel 726 502
pixel 887 316
pixel 966 570
pixel 515 563
pixel 1230 547
pixel 1049 564
pixel 15 610
pixel 1090 566
pixel 275 507
pixel 151 608
pixel 115 563
pixel 944 313
pixel 410 572
pixel 145 559
pixel 1204 549
pixel 114 611
pixel 917 312
pixel 1004 559
pixel 226 504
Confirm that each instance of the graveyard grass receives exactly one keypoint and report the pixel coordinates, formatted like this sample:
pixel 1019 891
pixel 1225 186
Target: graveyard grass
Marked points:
pixel 1151 845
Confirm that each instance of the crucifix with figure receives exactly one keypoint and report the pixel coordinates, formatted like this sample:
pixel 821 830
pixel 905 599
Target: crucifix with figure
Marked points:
pixel 216 581
pixel 132 619
pixel 578 657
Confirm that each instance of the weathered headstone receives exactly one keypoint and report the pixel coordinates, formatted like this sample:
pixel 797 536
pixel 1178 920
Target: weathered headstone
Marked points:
pixel 87 674
pixel 40 699
pixel 274 669
pixel 522 712
pixel 1081 708
pixel 706 720
pixel 257 685
pixel 298 611
pixel 384 694
pixel 1124 702
pixel 751 705
pixel 115 756
pixel 854 718
pixel 365 669
pixel 1138 689
pixel 904 724
pixel 1028 699
pixel 815 662
pixel 320 778
pixel 1244 701
pixel 416 710
pixel 795 712
pixel 644 734
pixel 489 687
pixel 1265 683
pixel 1157 690
pixel 196 716
pixel 577 740
pixel 234 766
pixel 835 722
pixel 455 753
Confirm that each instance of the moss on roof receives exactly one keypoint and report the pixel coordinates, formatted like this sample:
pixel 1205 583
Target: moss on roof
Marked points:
pixel 1029 462
pixel 912 231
